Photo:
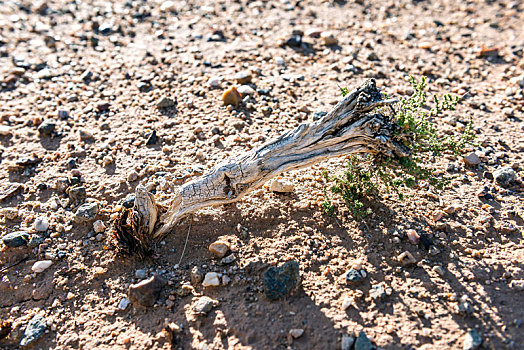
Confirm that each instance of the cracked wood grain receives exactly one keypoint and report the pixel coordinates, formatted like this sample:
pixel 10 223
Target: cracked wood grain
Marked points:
pixel 353 126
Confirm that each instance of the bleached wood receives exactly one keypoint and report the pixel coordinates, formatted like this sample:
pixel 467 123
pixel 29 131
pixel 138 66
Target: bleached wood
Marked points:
pixel 351 126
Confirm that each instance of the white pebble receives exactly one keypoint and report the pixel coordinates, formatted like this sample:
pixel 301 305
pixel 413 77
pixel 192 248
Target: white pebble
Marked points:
pixel 211 280
pixel 41 266
pixel 280 61
pixel 296 333
pixel 347 302
pixel 214 82
pixel 41 224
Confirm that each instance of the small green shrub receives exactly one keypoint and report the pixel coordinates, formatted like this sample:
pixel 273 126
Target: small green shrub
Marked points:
pixel 365 176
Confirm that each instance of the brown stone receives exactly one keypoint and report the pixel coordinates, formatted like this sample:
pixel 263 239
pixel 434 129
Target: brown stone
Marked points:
pixel 232 97
pixel 219 248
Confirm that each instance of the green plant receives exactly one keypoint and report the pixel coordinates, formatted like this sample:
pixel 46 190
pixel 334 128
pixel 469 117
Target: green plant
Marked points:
pixel 365 177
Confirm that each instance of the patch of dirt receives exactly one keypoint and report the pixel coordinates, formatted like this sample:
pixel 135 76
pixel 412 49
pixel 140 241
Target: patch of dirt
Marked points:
pixel 97 69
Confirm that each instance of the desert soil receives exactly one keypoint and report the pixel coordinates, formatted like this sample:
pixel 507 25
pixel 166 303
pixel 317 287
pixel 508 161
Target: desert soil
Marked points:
pixel 95 71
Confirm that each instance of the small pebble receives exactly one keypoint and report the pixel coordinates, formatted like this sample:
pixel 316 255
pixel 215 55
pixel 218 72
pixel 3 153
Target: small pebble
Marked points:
pixel 472 340
pixel 472 159
pixel 329 39
pixel 140 274
pixel 296 332
pixel 245 90
pixel 211 280
pixel 41 266
pixel 280 61
pixel 347 342
pixel 34 330
pixel 282 186
pixel 124 303
pixel 363 342
pixel 98 226
pixel 165 102
pixel 243 77
pixel 219 248
pixel 439 270
pixel 231 97
pixel 204 305
pixel 41 224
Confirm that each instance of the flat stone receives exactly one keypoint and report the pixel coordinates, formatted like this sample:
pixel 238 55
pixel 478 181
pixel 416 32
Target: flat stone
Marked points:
pixel 34 330
pixel 245 90
pixel 280 281
pixel 146 292
pixel 219 248
pixel 165 102
pixel 243 77
pixel 9 190
pixel 86 212
pixel 472 159
pixel 282 186
pixel 15 239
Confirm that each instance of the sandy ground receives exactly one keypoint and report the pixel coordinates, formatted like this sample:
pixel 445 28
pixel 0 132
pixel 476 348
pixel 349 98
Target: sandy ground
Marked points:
pixel 96 70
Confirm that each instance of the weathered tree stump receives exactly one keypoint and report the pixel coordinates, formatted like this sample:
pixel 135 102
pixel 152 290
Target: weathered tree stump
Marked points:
pixel 353 126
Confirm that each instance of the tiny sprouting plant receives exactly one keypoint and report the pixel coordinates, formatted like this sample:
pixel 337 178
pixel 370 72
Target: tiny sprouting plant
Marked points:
pixel 365 176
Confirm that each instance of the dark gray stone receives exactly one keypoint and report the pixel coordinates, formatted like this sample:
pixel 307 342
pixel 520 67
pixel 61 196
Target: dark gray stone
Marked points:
pixel 505 177
pixel 86 212
pixel 146 292
pixel 47 128
pixel 77 194
pixel 165 102
pixel 129 201
pixel 363 342
pixel 34 330
pixel 15 239
pixel 280 281
pixel 354 276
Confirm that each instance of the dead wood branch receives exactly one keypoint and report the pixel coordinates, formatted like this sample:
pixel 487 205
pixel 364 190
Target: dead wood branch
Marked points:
pixel 353 126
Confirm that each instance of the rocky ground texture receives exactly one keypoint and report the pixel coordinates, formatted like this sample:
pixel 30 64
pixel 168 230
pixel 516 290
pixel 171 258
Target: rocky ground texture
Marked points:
pixel 98 96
